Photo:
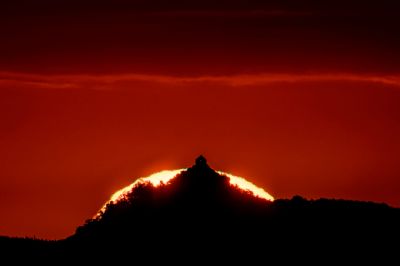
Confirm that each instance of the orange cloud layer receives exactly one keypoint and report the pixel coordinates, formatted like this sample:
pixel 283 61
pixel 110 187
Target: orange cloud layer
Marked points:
pixel 108 81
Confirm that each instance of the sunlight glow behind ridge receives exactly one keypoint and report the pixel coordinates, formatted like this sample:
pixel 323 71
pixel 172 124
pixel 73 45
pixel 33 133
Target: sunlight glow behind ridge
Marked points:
pixel 165 176
pixel 155 179
pixel 243 184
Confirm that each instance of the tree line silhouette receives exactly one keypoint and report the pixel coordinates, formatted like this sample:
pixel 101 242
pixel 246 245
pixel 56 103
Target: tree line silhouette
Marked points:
pixel 200 214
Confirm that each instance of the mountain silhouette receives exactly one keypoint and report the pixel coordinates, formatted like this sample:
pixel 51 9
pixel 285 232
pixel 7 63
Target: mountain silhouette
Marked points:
pixel 200 214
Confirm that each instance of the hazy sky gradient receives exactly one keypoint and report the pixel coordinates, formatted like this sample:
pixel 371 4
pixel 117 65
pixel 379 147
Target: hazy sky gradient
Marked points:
pixel 300 98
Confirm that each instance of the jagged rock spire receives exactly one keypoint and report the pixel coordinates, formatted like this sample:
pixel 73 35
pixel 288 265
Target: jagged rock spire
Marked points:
pixel 201 162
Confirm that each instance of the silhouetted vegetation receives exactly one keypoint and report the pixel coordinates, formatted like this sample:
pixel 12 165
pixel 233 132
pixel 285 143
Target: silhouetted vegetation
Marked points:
pixel 200 214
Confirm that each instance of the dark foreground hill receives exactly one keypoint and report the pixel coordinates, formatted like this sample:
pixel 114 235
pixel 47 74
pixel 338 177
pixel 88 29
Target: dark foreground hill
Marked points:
pixel 200 215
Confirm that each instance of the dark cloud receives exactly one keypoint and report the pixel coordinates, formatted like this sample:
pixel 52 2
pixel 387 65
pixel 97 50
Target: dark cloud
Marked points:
pixel 204 37
pixel 329 6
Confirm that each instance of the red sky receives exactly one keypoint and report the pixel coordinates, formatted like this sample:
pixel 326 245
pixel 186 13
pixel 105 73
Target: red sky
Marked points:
pixel 298 98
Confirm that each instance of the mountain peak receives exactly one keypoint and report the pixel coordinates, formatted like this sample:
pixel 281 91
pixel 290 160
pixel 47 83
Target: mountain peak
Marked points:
pixel 199 204
pixel 201 161
pixel 201 165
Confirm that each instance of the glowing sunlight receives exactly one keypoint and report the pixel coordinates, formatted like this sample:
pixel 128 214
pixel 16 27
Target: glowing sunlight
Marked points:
pixel 243 184
pixel 156 179
pixel 165 176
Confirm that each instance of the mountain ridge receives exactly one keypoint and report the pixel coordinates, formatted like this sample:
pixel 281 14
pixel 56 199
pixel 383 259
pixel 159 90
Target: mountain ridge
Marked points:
pixel 199 212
